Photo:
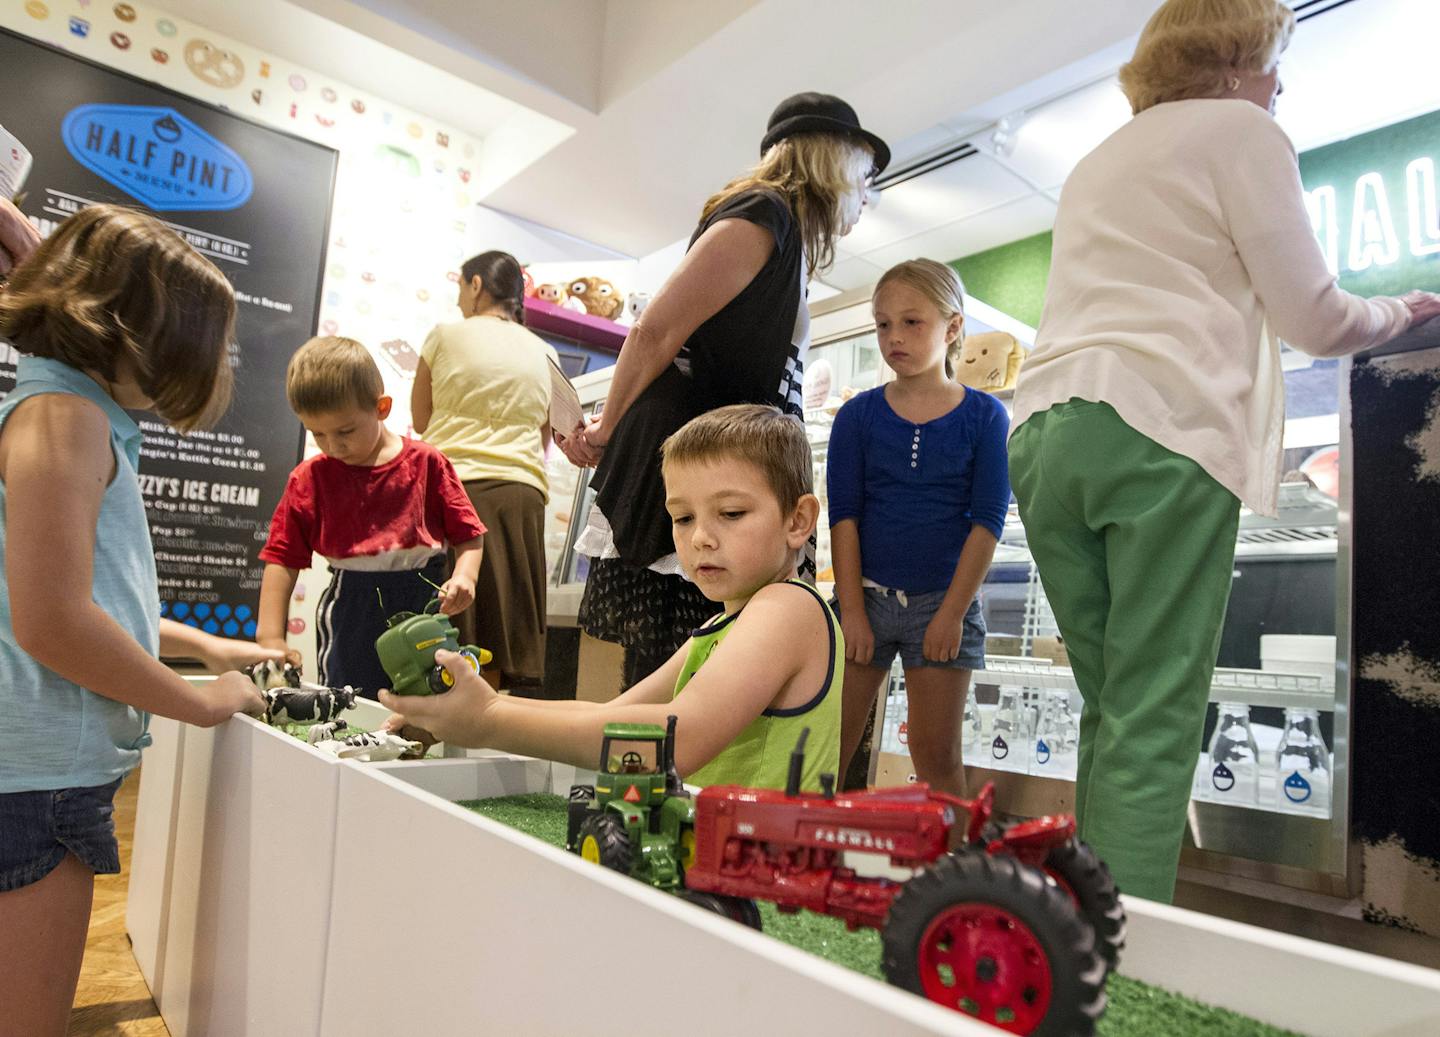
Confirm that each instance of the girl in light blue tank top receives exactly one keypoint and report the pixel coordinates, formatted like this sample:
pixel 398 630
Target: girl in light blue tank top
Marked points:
pixel 114 311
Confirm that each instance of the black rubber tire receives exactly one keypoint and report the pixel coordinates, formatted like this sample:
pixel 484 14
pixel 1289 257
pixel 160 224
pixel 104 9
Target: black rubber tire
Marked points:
pixel 737 909
pixel 436 680
pixel 581 796
pixel 1088 879
pixel 1077 974
pixel 609 833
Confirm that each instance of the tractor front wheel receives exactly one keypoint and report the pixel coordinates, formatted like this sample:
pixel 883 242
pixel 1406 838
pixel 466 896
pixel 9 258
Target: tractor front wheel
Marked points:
pixel 604 841
pixel 737 909
pixel 993 938
pixel 581 796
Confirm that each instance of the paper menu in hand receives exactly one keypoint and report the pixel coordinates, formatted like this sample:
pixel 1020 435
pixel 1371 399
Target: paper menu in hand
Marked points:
pixel 15 164
pixel 565 410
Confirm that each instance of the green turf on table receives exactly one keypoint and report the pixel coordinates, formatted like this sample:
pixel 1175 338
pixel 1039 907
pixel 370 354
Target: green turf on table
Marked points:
pixel 1136 1009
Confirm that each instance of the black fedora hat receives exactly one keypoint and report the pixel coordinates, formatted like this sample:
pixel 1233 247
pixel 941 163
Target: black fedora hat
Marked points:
pixel 811 112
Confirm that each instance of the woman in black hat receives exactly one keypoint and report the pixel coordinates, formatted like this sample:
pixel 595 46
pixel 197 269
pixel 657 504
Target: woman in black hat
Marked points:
pixel 729 326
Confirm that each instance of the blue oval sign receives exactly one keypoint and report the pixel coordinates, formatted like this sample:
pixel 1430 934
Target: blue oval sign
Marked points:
pixel 158 157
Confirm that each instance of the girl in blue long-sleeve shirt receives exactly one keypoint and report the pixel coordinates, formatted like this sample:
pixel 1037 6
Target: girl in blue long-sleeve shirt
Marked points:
pixel 918 488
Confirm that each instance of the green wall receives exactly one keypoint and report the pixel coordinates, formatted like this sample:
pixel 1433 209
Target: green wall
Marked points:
pixel 1012 277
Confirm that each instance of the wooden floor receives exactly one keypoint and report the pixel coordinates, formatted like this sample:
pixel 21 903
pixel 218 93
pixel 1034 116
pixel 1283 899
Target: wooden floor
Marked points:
pixel 113 1000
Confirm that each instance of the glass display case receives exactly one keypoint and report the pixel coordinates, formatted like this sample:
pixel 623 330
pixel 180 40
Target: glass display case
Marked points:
pixel 567 512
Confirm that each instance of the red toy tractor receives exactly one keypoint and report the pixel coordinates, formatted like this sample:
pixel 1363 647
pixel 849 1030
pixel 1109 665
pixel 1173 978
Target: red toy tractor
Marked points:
pixel 1018 927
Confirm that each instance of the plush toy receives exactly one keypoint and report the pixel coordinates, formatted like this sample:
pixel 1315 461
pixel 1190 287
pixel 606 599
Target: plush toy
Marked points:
pixel 552 293
pixel 529 282
pixel 598 296
pixel 989 360
pixel 636 303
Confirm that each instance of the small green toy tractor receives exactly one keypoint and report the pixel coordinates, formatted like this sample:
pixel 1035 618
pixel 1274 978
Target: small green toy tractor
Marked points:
pixel 638 819
pixel 407 651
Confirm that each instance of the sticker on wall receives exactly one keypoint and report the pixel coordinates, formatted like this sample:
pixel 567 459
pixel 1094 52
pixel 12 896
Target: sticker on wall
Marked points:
pixel 323 121
pixel 337 271
pixel 397 160
pixel 328 93
pixel 415 130
pixel 120 41
pixel 439 165
pixel 329 327
pixel 35 9
pixel 79 27
pixel 257 95
pixel 160 57
pixel 165 27
pixel 264 70
pixel 297 82
pixel 333 298
pixel 464 175
pixel 357 106
pixel 443 139
pixel 294 110
pixel 157 156
pixel 368 277
pixel 124 12
pixel 295 625
pixel 401 356
pixel 453 277
pixel 212 65
pixel 422 295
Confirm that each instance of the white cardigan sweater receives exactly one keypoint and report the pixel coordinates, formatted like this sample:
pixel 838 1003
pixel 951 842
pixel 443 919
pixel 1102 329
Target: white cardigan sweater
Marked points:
pixel 1183 252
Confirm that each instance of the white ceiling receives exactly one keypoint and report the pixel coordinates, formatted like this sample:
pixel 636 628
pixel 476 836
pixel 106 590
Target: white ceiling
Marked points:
pixel 644 107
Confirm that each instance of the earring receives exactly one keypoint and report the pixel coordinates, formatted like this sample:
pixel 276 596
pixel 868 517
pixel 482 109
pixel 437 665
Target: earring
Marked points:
pixel 1234 83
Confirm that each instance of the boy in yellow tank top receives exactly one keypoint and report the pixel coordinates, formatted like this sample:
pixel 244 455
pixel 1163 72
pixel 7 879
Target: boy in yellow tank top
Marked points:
pixel 738 484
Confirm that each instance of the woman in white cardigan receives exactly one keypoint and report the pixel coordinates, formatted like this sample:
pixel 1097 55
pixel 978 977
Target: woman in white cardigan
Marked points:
pixel 1153 404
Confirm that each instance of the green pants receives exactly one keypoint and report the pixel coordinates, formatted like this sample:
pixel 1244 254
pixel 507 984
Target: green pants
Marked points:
pixel 1135 545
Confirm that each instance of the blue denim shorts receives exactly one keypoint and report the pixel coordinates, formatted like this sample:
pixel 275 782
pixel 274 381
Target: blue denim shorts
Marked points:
pixel 900 628
pixel 37 829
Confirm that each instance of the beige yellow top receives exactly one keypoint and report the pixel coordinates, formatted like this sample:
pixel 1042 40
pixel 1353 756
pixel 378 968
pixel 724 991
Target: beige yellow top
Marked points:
pixel 490 382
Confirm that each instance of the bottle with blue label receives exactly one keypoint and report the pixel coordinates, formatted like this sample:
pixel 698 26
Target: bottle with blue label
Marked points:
pixel 1008 735
pixel 1234 759
pixel 1054 749
pixel 1302 765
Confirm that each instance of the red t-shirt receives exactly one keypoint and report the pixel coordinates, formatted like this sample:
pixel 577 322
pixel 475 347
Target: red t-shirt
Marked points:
pixel 391 517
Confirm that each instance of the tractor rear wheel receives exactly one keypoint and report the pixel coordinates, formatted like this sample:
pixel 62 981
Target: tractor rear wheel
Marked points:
pixel 581 796
pixel 1081 873
pixel 737 909
pixel 604 841
pixel 995 939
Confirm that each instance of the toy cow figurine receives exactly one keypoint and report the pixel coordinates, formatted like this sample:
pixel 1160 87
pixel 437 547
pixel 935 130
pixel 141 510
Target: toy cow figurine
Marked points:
pixel 370 748
pixel 290 700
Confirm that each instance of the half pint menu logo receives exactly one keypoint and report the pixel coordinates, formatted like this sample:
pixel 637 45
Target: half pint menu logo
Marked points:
pixel 157 156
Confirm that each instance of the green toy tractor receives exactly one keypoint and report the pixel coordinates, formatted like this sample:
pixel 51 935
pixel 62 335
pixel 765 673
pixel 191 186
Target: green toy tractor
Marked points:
pixel 407 651
pixel 638 818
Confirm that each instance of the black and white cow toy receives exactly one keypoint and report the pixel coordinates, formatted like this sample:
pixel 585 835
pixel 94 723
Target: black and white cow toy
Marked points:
pixel 291 700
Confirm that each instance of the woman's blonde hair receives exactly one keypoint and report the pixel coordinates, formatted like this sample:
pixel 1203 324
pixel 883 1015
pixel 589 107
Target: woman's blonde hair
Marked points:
pixel 938 283
pixel 113 284
pixel 1190 48
pixel 814 173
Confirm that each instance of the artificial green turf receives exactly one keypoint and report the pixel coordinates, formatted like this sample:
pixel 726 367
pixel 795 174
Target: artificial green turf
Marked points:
pixel 1136 1009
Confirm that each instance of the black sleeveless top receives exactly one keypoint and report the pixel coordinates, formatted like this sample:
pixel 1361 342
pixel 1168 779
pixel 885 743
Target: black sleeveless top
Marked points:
pixel 745 353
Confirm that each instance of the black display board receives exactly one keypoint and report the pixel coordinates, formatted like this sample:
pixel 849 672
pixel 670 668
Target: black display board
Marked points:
pixel 254 200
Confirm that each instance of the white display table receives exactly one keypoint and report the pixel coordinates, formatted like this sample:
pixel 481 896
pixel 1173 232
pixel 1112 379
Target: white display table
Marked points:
pixel 279 891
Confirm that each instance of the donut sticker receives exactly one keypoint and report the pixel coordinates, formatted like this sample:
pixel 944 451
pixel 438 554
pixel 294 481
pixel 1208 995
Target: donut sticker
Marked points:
pixel 323 121
pixel 120 41
pixel 329 327
pixel 165 27
pixel 297 83
pixel 328 93
pixel 160 57
pixel 357 106
pixel 415 130
pixel 124 12
pixel 35 9
pixel 212 65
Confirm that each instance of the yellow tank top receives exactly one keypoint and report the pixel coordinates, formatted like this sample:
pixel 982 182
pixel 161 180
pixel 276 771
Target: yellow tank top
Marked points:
pixel 759 756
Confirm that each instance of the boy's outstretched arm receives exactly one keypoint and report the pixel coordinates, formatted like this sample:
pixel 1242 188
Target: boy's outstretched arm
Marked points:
pixel 780 633
pixel 276 586
pixel 458 592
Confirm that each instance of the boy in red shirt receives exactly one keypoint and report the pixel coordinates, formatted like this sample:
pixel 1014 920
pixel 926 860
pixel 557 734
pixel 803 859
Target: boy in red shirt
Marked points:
pixel 379 508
